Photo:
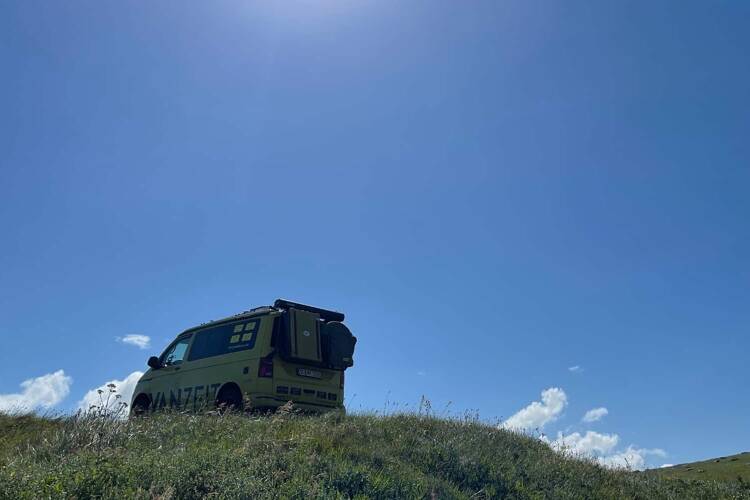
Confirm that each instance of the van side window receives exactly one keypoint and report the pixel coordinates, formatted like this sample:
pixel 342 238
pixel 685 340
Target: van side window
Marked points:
pixel 224 339
pixel 176 353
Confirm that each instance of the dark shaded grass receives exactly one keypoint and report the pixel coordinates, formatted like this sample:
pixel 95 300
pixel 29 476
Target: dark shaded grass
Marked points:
pixel 291 456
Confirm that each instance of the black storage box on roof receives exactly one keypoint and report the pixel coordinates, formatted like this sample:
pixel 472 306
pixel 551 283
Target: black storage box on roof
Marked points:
pixel 324 314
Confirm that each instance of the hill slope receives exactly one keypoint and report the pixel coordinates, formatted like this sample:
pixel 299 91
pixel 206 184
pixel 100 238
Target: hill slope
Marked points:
pixel 731 468
pixel 287 456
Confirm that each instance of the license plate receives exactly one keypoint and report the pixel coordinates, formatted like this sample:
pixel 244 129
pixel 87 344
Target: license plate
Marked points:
pixel 304 372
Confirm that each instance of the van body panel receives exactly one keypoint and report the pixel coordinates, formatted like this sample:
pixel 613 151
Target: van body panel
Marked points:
pixel 304 383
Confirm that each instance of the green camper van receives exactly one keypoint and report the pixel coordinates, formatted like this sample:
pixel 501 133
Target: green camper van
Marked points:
pixel 259 359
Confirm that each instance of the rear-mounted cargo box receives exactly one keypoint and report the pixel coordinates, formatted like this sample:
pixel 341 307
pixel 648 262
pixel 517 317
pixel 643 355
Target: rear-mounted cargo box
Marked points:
pixel 313 336
pixel 304 336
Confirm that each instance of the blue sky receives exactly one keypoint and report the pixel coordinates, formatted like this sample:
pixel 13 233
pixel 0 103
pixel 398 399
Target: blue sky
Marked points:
pixel 493 193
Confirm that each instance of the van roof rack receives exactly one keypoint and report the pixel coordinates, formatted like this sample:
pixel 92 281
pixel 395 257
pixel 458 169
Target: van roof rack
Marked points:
pixel 325 314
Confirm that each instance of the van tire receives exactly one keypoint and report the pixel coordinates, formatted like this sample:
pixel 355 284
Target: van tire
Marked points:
pixel 140 406
pixel 229 399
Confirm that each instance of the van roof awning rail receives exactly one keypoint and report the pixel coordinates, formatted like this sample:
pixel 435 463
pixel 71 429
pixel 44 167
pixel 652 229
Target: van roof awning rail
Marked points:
pixel 325 314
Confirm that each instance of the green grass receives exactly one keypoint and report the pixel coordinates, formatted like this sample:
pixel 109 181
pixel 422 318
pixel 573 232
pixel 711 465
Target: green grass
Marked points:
pixel 731 468
pixel 292 456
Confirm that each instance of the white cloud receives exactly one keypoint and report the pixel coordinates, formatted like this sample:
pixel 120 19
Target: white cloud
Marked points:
pixel 632 458
pixel 595 414
pixel 598 446
pixel 587 444
pixel 140 341
pixel 575 369
pixel 40 392
pixel 664 466
pixel 123 387
pixel 537 414
pixel 601 447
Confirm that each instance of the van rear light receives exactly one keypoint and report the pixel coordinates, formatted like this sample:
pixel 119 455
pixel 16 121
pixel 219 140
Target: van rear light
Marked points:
pixel 265 367
pixel 341 384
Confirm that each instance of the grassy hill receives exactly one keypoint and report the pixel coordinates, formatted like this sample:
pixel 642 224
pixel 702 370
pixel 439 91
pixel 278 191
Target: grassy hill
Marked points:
pixel 291 456
pixel 731 468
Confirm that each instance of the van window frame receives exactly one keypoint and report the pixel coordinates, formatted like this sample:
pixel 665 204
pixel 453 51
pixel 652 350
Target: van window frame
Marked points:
pixel 180 338
pixel 254 341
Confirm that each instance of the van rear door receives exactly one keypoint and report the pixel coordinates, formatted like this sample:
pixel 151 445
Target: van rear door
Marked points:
pixel 299 373
pixel 303 337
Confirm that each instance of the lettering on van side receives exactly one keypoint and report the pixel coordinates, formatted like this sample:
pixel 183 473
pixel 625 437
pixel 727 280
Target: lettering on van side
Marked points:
pixel 181 397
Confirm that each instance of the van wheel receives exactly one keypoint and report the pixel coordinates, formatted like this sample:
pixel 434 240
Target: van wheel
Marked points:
pixel 140 406
pixel 229 399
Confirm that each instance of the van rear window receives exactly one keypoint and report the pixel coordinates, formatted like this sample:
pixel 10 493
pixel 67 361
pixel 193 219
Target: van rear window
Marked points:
pixel 224 339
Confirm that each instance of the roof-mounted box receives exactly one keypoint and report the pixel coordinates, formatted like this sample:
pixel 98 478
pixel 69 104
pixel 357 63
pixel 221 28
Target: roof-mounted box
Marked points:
pixel 325 314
